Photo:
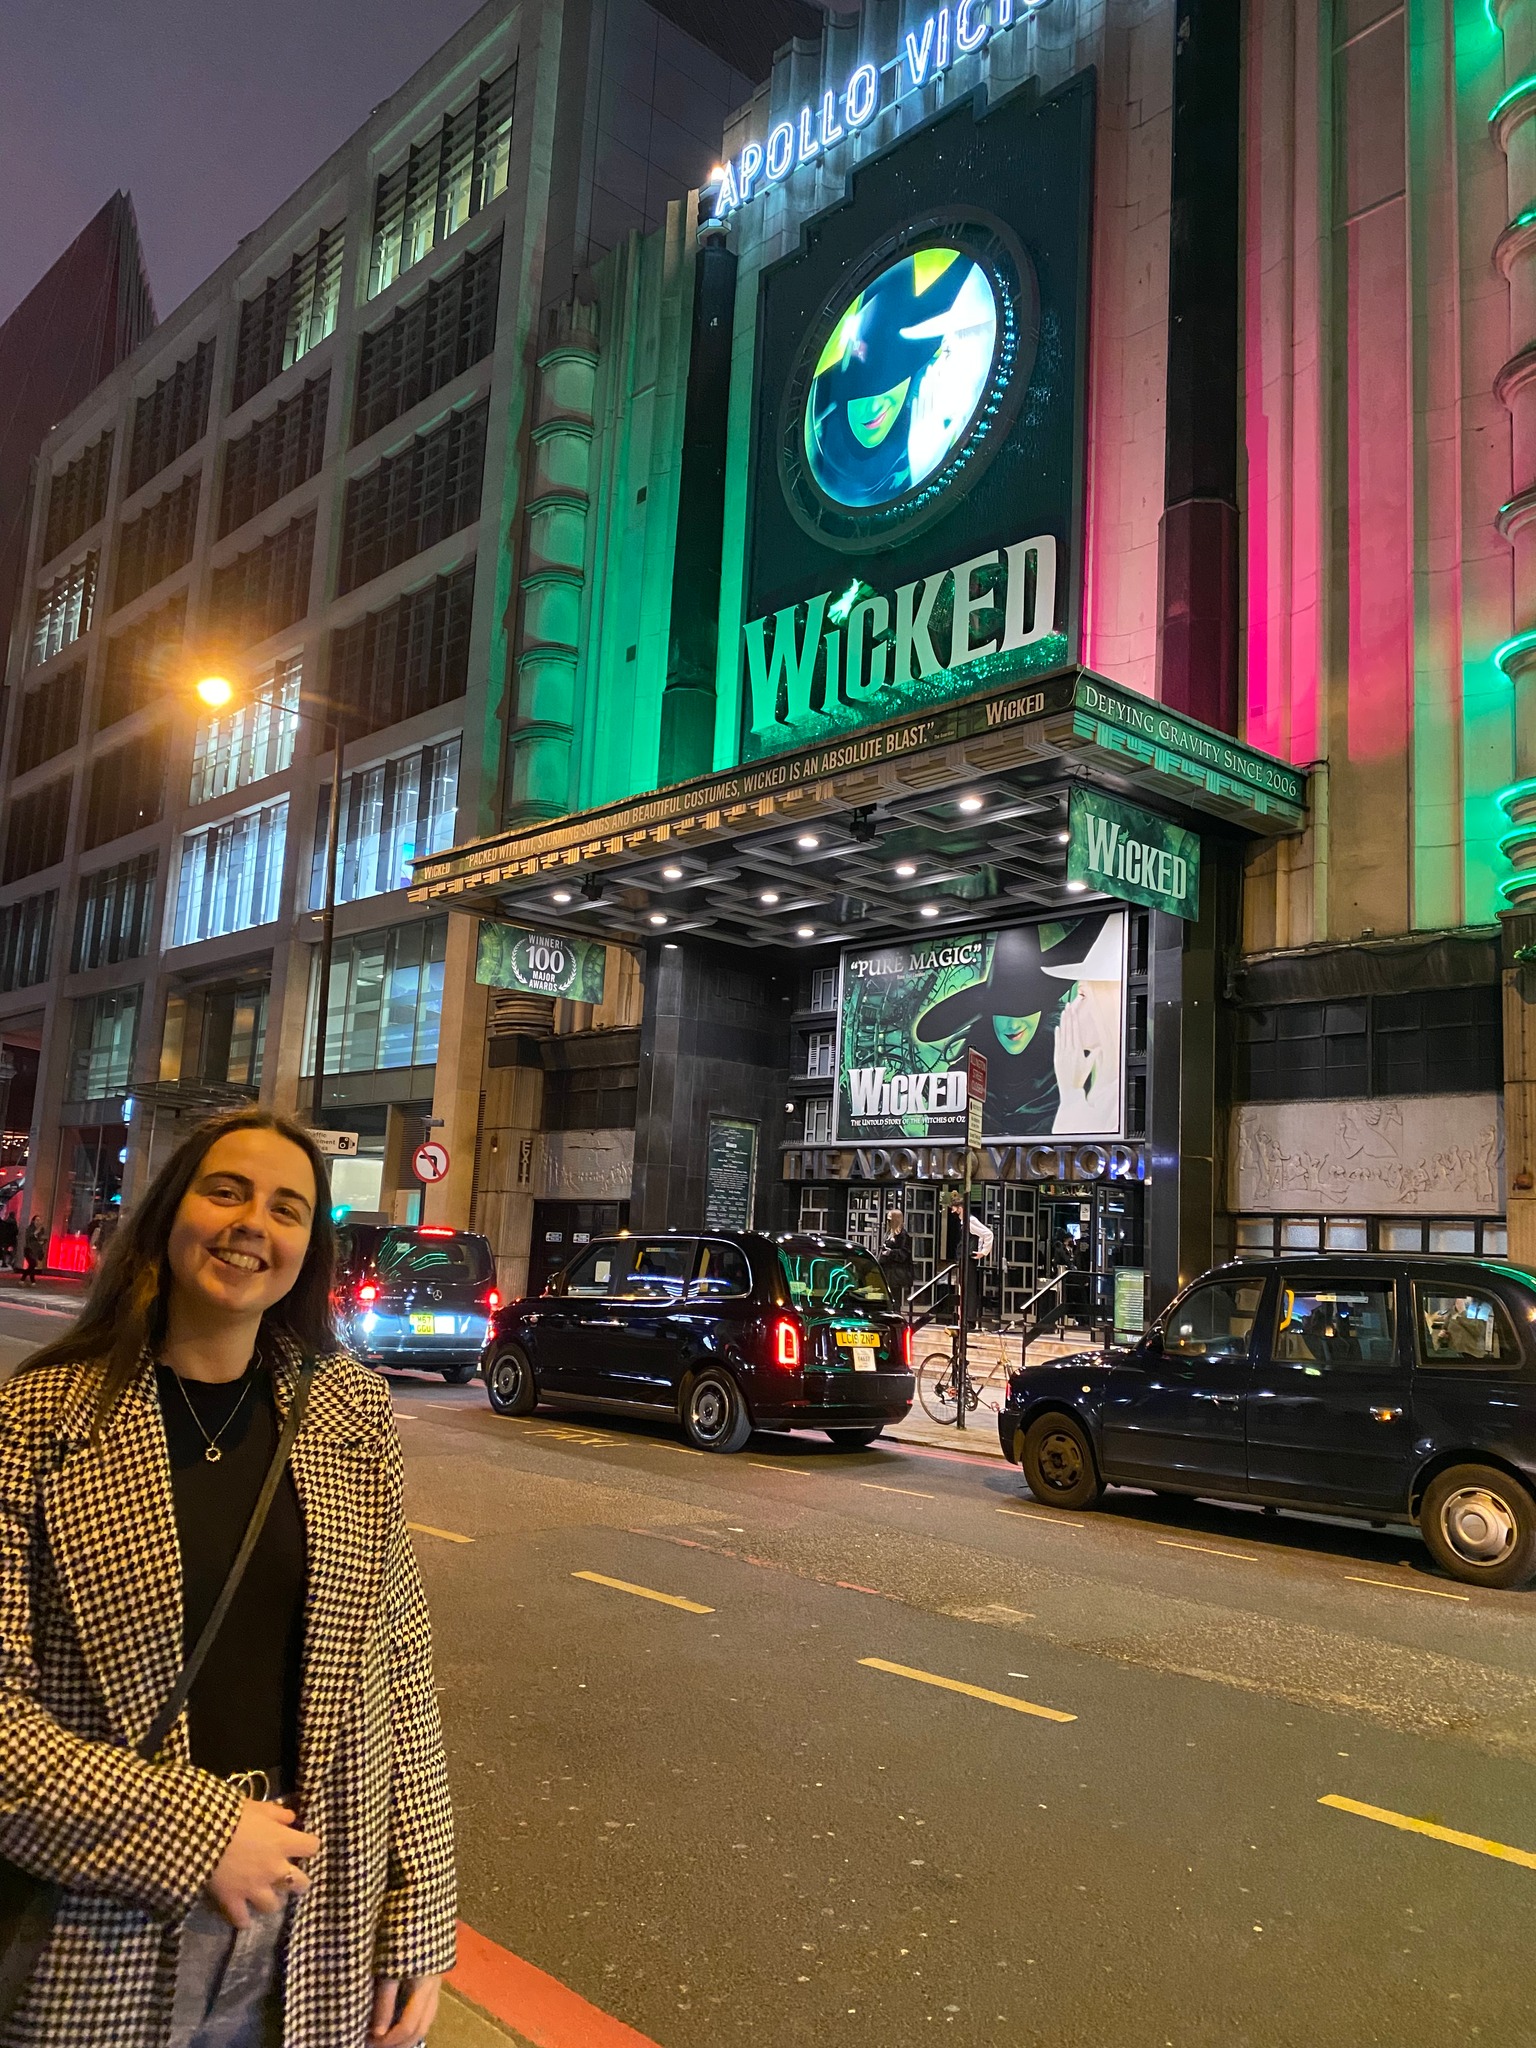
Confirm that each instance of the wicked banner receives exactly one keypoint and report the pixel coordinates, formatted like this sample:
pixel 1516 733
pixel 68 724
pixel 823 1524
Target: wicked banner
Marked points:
pixel 1043 1002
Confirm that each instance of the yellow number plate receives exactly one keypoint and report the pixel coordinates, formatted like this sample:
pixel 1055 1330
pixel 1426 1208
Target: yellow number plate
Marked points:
pixel 423 1326
pixel 858 1340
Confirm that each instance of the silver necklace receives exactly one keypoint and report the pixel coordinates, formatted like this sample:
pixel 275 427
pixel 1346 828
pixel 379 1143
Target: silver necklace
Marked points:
pixel 213 1453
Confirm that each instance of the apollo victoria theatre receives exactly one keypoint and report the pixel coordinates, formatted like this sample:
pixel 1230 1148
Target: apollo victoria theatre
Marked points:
pixel 888 816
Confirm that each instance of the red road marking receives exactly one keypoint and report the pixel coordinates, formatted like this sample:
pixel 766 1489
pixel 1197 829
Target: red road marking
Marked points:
pixel 539 2007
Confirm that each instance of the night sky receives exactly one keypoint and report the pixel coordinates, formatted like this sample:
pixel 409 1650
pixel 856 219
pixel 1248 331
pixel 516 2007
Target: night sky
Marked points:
pixel 210 112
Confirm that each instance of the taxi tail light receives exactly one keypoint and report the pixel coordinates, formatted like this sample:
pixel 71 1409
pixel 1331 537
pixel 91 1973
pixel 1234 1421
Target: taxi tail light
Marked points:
pixel 367 1294
pixel 786 1343
pixel 906 1347
pixel 492 1300
pixel 434 1230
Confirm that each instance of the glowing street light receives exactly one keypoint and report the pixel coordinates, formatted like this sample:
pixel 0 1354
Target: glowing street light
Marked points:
pixel 216 691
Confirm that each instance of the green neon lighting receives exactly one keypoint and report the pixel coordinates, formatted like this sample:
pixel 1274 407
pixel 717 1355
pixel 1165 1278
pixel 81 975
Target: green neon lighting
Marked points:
pixel 838 611
pixel 1520 644
pixel 1508 798
pixel 1490 8
pixel 1525 85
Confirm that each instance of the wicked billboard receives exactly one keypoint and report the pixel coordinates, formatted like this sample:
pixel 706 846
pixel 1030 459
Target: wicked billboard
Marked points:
pixel 916 488
pixel 1044 1002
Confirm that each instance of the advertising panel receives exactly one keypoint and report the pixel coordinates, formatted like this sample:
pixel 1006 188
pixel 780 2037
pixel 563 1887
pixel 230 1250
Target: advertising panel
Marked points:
pixel 1044 1003
pixel 541 963
pixel 1122 850
pixel 916 488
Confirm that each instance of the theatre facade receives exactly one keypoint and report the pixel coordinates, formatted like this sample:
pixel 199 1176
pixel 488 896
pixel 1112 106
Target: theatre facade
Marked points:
pixel 834 727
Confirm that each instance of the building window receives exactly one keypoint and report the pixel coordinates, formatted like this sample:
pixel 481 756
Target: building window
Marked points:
pixel 386 997
pixel 157 543
pixel 266 590
pixel 818 1120
pixel 414 499
pixel 391 814
pixel 815 1209
pixel 444 182
pixel 64 609
pixel 49 718
pixel 1440 1041
pixel 114 916
pixel 818 1055
pixel 251 742
pixel 216 1035
pixel 278 454
pixel 105 1028
pixel 293 314
pixel 231 875
pixel 26 940
pixel 141 662
pixel 126 791
pixel 1304 1052
pixel 77 497
pixel 36 829
pixel 823 988
pixel 437 337
pixel 409 657
pixel 169 419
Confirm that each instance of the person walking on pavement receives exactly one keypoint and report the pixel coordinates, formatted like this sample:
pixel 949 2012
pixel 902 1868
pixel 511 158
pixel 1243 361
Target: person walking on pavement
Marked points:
pixel 274 1864
pixel 896 1257
pixel 34 1251
pixel 981 1237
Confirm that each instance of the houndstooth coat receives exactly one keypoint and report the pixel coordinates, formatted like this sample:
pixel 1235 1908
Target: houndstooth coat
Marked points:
pixel 90 1645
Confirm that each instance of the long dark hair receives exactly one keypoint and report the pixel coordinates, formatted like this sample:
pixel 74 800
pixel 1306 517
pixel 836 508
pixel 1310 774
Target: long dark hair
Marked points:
pixel 127 1305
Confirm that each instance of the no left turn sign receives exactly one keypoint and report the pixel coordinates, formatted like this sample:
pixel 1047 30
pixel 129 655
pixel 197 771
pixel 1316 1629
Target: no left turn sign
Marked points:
pixel 431 1163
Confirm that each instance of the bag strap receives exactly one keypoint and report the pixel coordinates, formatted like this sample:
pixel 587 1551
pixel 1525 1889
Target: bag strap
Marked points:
pixel 149 1746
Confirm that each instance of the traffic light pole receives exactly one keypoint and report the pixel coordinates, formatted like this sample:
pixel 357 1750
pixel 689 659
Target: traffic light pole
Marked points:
pixel 328 920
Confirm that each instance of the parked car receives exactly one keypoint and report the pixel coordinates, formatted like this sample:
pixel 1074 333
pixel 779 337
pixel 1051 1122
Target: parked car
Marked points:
pixel 727 1331
pixel 1396 1389
pixel 419 1295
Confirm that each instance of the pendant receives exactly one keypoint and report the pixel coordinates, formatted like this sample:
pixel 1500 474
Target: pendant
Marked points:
pixel 213 1454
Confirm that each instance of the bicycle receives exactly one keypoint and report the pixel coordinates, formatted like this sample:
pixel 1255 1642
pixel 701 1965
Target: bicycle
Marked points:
pixel 986 1383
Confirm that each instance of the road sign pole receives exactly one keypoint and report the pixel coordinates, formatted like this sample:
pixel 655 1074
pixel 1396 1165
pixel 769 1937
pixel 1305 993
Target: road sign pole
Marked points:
pixel 975 1101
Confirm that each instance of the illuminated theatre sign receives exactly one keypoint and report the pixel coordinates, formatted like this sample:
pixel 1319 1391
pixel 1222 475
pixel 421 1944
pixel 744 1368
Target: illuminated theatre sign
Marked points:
pixel 925 53
pixel 917 458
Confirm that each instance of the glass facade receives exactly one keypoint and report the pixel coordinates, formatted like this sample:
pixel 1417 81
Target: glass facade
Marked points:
pixel 231 875
pixel 386 999
pixel 393 812
pixel 101 1051
pixel 444 181
pixel 253 741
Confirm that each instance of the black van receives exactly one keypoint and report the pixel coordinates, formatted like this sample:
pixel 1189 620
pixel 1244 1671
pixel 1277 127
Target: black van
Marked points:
pixel 420 1295
pixel 726 1330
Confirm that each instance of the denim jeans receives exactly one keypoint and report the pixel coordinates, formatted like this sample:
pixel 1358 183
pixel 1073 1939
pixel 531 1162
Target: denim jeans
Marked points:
pixel 229 1991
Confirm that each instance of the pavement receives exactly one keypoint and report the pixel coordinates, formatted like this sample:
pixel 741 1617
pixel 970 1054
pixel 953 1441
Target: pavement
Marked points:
pixel 808 1745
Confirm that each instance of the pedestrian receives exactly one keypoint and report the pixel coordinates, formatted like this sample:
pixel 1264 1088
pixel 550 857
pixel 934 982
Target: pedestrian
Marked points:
pixel 278 1869
pixel 896 1257
pixel 960 1231
pixel 8 1239
pixel 34 1251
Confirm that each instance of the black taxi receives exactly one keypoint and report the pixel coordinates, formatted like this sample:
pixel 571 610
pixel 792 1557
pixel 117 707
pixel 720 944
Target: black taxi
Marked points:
pixel 728 1331
pixel 1389 1388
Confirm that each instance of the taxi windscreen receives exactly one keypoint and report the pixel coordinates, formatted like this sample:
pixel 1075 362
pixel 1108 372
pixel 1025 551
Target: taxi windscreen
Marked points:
pixel 826 1282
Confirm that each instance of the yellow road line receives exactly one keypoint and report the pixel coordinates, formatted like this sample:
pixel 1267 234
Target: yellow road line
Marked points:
pixel 1405 1586
pixel 758 1465
pixel 448 1535
pixel 1041 1515
pixel 644 1592
pixel 974 1692
pixel 1524 1857
pixel 875 1487
pixel 1206 1550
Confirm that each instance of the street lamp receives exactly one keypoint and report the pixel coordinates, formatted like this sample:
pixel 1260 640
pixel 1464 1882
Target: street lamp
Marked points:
pixel 218 693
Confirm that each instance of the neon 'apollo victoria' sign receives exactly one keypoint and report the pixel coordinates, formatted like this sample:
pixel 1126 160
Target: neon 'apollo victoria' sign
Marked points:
pixel 927 52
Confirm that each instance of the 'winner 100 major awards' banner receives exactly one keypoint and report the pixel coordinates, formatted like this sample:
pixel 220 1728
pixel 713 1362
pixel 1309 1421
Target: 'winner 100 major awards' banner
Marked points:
pixel 1043 1002
pixel 542 963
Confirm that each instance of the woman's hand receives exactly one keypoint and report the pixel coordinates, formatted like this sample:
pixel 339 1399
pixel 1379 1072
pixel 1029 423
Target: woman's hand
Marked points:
pixel 403 2009
pixel 258 1872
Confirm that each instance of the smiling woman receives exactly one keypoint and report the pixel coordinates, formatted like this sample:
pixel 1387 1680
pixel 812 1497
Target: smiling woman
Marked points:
pixel 196 1477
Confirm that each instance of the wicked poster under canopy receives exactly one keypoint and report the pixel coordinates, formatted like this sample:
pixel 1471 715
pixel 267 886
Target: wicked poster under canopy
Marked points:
pixel 1044 1002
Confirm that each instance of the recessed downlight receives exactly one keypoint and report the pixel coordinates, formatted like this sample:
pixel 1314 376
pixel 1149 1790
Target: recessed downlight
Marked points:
pixel 1063 838
pixel 929 910
pixel 807 842
pixel 769 896
pixel 1076 888
pixel 906 869
pixel 672 874
pixel 969 804
pixel 658 917
pixel 805 931
pixel 560 896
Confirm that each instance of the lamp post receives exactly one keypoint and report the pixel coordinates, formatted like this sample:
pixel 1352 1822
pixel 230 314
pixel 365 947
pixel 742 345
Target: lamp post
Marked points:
pixel 218 693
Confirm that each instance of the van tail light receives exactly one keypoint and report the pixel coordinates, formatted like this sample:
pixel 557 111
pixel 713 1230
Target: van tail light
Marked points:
pixel 492 1300
pixel 786 1343
pixel 367 1294
pixel 906 1347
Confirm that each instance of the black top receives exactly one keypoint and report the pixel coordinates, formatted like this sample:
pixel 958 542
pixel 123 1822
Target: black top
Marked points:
pixel 244 1709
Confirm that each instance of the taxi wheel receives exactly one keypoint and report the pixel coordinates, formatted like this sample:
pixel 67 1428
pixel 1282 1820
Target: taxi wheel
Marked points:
pixel 856 1439
pixel 714 1414
pixel 1480 1526
pixel 510 1385
pixel 1058 1463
